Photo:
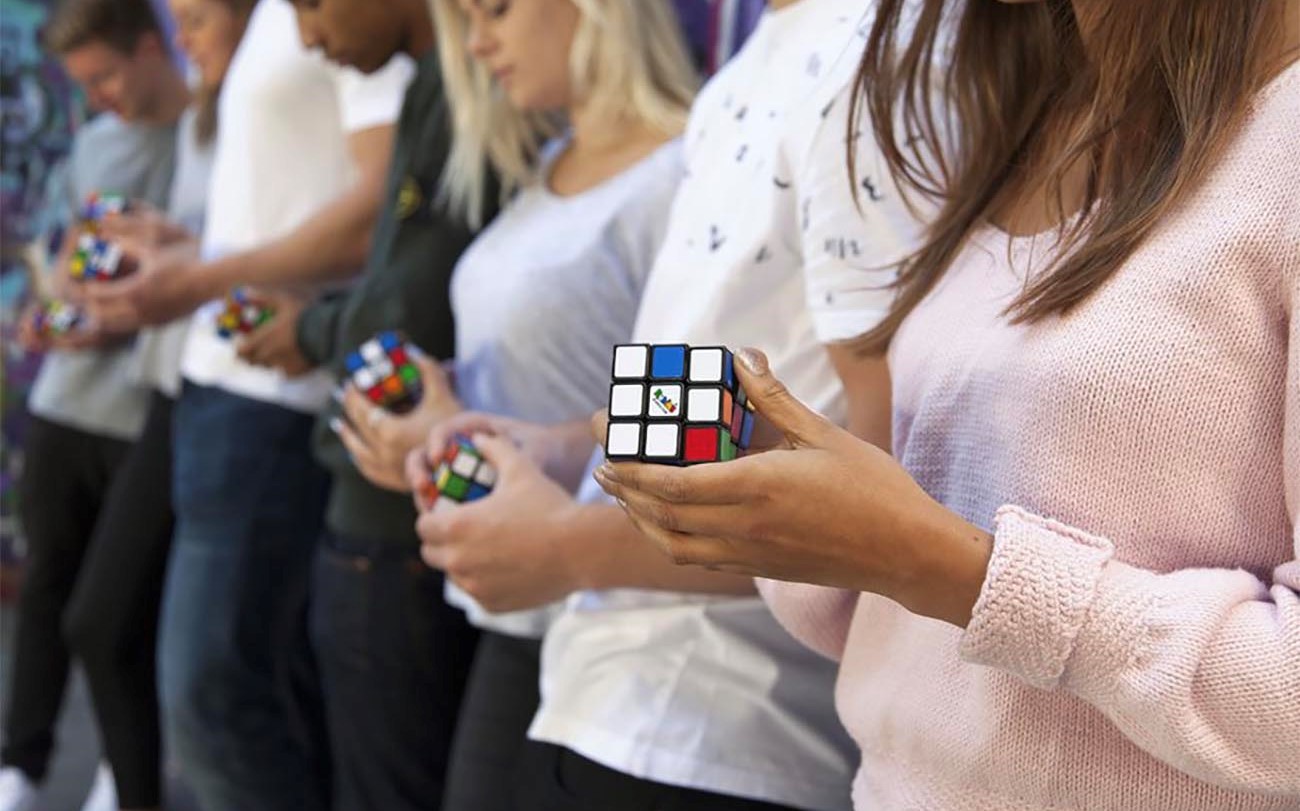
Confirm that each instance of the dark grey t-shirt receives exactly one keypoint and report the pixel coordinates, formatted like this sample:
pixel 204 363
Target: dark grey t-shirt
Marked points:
pixel 93 390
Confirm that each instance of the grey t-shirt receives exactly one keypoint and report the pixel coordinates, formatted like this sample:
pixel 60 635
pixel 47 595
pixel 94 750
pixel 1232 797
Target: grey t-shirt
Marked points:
pixel 543 295
pixel 157 358
pixel 93 390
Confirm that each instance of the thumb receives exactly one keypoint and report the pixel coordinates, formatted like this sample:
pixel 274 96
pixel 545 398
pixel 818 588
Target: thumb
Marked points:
pixel 499 452
pixel 431 371
pixel 801 425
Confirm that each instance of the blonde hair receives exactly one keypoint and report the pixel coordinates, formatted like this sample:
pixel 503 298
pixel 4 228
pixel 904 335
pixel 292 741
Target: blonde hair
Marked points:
pixel 627 61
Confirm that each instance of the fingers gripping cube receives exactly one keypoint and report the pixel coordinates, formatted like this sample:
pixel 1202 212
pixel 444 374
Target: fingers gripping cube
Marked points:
pixel 58 318
pixel 461 476
pixel 96 259
pixel 242 313
pixel 382 369
pixel 678 405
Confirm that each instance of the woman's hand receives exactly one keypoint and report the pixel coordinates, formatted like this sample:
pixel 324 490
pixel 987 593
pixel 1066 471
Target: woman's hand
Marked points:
pixel 379 440
pixel 551 448
pixel 827 508
pixel 507 549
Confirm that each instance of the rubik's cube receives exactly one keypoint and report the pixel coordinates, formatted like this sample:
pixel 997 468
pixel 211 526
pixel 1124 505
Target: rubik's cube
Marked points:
pixel 58 318
pixel 676 405
pixel 382 370
pixel 99 204
pixel 242 314
pixel 97 259
pixel 461 476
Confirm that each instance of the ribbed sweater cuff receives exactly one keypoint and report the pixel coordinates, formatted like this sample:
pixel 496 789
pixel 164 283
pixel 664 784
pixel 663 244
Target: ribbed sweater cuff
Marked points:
pixel 1042 580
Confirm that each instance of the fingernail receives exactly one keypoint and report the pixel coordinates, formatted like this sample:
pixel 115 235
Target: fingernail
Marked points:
pixel 336 425
pixel 416 352
pixel 754 361
pixel 605 473
pixel 337 394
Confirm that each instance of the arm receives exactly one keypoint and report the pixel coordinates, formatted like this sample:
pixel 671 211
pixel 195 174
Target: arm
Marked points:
pixel 606 551
pixel 529 543
pixel 331 245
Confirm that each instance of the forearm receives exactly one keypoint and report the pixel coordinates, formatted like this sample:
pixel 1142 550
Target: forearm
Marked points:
pixel 570 454
pixel 328 247
pixel 605 551
pixel 1196 666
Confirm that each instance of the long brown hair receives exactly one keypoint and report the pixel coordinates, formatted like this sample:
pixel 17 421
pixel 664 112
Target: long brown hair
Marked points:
pixel 979 105
pixel 206 98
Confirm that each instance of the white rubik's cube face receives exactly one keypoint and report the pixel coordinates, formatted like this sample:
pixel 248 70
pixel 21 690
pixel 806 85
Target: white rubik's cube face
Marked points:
pixel 676 404
pixel 382 369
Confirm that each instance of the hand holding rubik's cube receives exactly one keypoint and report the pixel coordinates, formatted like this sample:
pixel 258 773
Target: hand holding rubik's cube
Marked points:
pixel 678 405
pixel 242 313
pixel 382 370
pixel 95 258
pixel 462 475
pixel 55 318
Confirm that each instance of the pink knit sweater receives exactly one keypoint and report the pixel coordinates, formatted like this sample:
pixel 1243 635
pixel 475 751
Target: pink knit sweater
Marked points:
pixel 1137 642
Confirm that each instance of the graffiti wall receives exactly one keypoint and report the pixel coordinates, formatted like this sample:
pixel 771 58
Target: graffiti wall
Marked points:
pixel 38 111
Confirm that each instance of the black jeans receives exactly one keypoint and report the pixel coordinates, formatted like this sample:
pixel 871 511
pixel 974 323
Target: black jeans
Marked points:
pixel 500 703
pixel 557 779
pixel 112 621
pixel 394 658
pixel 67 483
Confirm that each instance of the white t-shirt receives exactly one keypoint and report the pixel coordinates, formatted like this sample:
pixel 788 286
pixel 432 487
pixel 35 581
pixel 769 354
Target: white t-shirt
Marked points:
pixel 282 155
pixel 765 248
pixel 541 296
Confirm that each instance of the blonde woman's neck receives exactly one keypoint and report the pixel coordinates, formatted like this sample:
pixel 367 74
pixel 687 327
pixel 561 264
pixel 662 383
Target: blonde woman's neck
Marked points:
pixel 600 148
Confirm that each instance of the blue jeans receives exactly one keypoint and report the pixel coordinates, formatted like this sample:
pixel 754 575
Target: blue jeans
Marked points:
pixel 239 695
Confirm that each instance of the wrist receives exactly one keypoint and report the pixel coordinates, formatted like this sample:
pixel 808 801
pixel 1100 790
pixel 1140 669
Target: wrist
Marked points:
pixel 953 559
pixel 580 561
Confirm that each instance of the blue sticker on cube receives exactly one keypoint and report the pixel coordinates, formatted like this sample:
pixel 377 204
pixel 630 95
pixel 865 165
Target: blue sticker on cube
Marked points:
pixel 668 362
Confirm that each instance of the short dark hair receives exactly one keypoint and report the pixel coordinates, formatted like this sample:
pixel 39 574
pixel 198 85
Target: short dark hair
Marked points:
pixel 116 23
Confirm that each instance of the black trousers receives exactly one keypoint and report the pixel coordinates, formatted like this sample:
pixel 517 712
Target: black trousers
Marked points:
pixel 394 658
pixel 557 779
pixel 500 703
pixel 97 515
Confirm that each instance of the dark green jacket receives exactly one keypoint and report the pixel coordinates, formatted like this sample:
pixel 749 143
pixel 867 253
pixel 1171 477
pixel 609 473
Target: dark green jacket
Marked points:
pixel 406 286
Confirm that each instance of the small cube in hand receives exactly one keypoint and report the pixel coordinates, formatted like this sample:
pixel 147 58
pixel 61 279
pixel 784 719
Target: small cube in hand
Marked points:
pixel 242 313
pixel 383 371
pixel 459 477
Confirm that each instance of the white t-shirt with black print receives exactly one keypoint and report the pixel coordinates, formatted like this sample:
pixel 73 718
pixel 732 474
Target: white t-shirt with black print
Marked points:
pixel 765 248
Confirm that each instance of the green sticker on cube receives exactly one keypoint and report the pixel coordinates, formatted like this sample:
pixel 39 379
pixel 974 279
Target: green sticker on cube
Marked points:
pixel 727 448
pixel 456 488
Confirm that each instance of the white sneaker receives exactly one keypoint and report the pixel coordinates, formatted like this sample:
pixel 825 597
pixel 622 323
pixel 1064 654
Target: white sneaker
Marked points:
pixel 103 794
pixel 17 793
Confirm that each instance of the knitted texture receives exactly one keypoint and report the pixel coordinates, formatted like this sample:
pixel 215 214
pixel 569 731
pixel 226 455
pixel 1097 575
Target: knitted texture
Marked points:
pixel 1136 644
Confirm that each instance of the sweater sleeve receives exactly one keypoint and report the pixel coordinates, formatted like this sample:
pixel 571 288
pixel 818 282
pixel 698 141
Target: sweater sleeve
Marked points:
pixel 817 616
pixel 1199 667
